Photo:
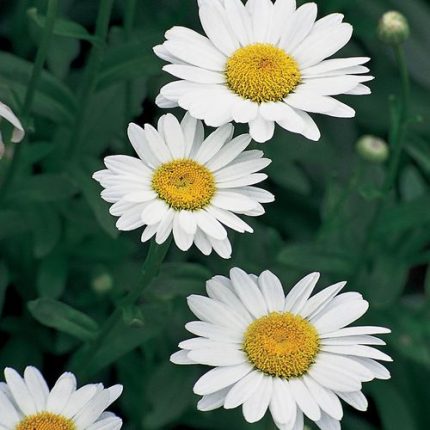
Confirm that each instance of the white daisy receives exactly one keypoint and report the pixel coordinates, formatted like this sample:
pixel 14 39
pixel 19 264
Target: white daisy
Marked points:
pixel 292 355
pixel 18 131
pixel 28 404
pixel 185 184
pixel 261 63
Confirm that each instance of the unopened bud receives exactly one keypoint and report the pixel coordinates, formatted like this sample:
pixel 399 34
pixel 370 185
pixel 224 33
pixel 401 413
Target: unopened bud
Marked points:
pixel 102 283
pixel 372 149
pixel 393 28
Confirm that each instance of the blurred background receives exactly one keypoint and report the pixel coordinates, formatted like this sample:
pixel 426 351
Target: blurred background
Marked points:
pixel 63 264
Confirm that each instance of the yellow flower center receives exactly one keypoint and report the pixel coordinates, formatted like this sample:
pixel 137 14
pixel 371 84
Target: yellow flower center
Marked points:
pixel 281 344
pixel 184 184
pixel 262 73
pixel 45 421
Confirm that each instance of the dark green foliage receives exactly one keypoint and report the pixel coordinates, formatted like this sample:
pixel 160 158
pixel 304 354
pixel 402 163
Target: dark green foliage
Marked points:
pixel 64 267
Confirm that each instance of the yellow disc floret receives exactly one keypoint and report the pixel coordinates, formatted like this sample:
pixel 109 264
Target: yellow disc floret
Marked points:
pixel 262 73
pixel 281 344
pixel 184 184
pixel 45 421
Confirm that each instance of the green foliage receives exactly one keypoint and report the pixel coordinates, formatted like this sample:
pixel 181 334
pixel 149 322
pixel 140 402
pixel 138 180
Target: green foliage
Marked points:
pixel 58 240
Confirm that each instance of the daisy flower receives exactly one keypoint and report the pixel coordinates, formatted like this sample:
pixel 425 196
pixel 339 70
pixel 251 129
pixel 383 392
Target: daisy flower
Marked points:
pixel 185 184
pixel 293 355
pixel 18 131
pixel 28 404
pixel 261 63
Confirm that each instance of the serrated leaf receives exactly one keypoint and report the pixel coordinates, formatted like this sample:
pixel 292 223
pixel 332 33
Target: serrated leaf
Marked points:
pixel 62 317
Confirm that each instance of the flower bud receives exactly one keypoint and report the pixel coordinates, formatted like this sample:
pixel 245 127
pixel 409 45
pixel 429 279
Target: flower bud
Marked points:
pixel 372 149
pixel 102 283
pixel 393 28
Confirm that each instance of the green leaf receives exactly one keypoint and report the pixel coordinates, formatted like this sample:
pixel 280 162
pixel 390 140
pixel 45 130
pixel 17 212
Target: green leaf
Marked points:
pixel 53 99
pixel 91 192
pixel 63 27
pixel 4 282
pixel 314 257
pixel 170 393
pixel 128 61
pixel 392 406
pixel 11 223
pixel 47 187
pixel 46 225
pixel 52 276
pixel 64 318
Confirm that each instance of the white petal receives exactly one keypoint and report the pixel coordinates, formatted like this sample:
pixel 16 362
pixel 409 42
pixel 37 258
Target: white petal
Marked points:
pixel 248 292
pixel 60 393
pixel 356 399
pixel 320 299
pixel 215 312
pixel 214 332
pixel 9 416
pixel 283 406
pixel 298 26
pixel 340 316
pixel 326 399
pixel 18 132
pixel 200 52
pixel 140 144
pixel 157 144
pixel 218 30
pixel 80 398
pixel 300 293
pixel 213 143
pixel 194 74
pixel 353 340
pixel 109 423
pixel 220 377
pixel 229 152
pixel 212 401
pixel 355 331
pixel 244 389
pixel 328 423
pixel 328 66
pixel 304 399
pixel 92 410
pixel 174 136
pixel 210 225
pixel 181 357
pixel 221 247
pixel 218 356
pixel 149 232
pixel 272 290
pixel 229 219
pixel 183 239
pixel 256 406
pixel 377 369
pixel 19 391
pixel 37 387
pixel 202 242
pixel 243 110
pixel 357 350
pixel 281 112
pixel 154 212
pixel 261 130
pixel 261 19
pixel 282 10
pixel 239 20
pixel 318 47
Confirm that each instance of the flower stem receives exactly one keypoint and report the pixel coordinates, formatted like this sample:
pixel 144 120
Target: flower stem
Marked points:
pixel 400 121
pixel 150 269
pixel 129 14
pixel 89 80
pixel 39 62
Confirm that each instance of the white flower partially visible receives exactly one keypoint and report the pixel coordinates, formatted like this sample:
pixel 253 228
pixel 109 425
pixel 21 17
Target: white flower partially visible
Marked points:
pixel 185 184
pixel 18 131
pixel 28 404
pixel 292 355
pixel 261 63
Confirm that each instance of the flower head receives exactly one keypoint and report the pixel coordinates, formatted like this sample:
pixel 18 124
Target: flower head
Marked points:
pixel 261 63
pixel 393 28
pixel 185 184
pixel 373 149
pixel 18 131
pixel 293 355
pixel 28 404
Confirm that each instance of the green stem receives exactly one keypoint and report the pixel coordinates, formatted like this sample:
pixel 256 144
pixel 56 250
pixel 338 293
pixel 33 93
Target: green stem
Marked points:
pixel 399 119
pixel 39 62
pixel 150 269
pixel 92 69
pixel 129 14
